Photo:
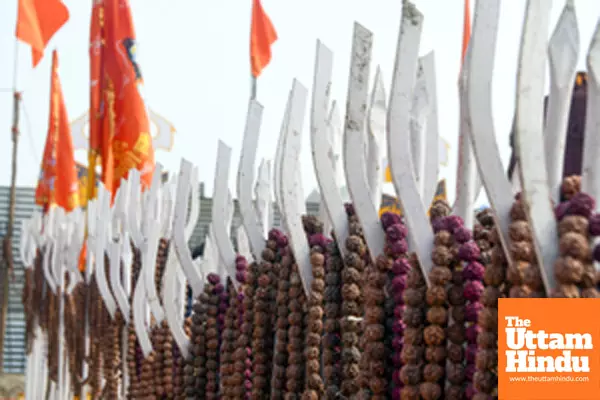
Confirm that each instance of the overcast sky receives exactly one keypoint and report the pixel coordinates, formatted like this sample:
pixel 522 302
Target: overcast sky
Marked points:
pixel 194 58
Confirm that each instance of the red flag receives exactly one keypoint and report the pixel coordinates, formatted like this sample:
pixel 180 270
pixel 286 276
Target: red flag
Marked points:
pixel 124 113
pixel 58 184
pixel 262 36
pixel 37 22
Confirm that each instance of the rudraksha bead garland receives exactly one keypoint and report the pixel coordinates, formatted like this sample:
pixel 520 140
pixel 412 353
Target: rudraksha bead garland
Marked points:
pixel 195 381
pixel 71 322
pixel 168 361
pixel 523 274
pixel 485 346
pixel 132 370
pixel 224 303
pixel 577 226
pixel 223 307
pixel 212 336
pixel 243 354
pixel 228 336
pixel 570 186
pixel 483 233
pixel 134 352
pixel 97 325
pixel 396 252
pixel 280 357
pixel 74 308
pixel 472 270
pixel 462 250
pixel 179 365
pixel 264 319
pixel 109 341
pixel 157 340
pixel 314 388
pixel 485 380
pixel 147 377
pixel 297 307
pixel 486 341
pixel 373 377
pixel 241 357
pixel 112 356
pixel 437 315
pixel 352 307
pixel 412 357
pixel 332 335
pixel 414 319
pixel 52 332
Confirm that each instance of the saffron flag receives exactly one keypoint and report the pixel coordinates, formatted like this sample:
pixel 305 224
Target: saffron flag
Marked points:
pixel 58 184
pixel 466 29
pixel 262 36
pixel 37 22
pixel 99 148
pixel 122 129
pixel 81 260
pixel 125 114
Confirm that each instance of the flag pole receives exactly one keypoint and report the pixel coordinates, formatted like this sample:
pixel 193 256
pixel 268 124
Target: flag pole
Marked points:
pixel 253 87
pixel 8 264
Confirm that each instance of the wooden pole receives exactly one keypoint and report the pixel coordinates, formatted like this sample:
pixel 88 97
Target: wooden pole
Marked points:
pixel 7 264
pixel 8 261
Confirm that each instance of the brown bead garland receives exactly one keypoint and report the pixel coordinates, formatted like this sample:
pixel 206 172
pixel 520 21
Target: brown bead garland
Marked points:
pixel 240 383
pixel 373 359
pixel 314 386
pixel 243 355
pixel 112 356
pixel 168 362
pixel 212 337
pixel 482 234
pixel 179 366
pixel 295 346
pixel 352 307
pixel 196 364
pixel 332 338
pixel 75 339
pixel 110 343
pixel 264 308
pixel 496 286
pixel 396 249
pixel 134 352
pixel 413 352
pixel 228 336
pixel 281 355
pixel 437 317
pixel 524 274
pixel 577 225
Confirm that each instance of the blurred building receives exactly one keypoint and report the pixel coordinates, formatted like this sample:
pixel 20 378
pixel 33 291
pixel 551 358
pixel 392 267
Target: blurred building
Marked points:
pixel 14 350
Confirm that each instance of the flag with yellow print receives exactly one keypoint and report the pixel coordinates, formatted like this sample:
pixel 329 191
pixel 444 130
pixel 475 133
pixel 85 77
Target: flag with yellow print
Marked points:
pixel 392 205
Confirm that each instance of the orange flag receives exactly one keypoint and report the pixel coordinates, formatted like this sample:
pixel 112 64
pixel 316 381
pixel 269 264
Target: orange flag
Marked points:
pixel 58 184
pixel 37 22
pixel 262 36
pixel 81 261
pixel 99 142
pixel 466 29
pixel 124 115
